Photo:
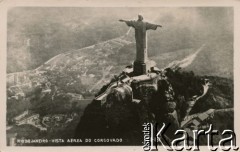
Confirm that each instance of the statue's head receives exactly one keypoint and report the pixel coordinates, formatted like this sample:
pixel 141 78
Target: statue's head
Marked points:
pixel 140 17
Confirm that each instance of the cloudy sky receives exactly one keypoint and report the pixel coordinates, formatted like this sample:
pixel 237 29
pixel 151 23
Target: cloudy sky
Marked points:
pixel 57 30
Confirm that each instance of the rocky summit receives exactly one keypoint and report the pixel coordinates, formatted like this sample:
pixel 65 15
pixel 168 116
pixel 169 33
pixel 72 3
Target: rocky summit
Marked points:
pixel 168 96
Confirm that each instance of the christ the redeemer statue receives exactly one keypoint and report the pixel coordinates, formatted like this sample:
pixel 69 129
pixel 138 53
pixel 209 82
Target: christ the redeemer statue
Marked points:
pixel 141 28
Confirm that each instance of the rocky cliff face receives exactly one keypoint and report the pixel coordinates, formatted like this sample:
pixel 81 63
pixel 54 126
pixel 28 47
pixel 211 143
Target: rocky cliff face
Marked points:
pixel 164 96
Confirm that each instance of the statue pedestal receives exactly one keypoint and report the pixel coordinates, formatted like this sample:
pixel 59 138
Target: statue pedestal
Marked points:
pixel 140 68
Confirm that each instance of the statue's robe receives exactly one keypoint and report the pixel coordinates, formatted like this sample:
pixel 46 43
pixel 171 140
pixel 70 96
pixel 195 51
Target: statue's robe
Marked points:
pixel 141 38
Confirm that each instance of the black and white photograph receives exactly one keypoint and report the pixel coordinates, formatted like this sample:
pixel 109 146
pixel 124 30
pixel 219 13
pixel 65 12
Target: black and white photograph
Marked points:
pixel 155 77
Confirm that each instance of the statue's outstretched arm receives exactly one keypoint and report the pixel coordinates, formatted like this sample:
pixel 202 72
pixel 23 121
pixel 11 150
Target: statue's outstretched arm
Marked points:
pixel 129 23
pixel 121 20
pixel 151 26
